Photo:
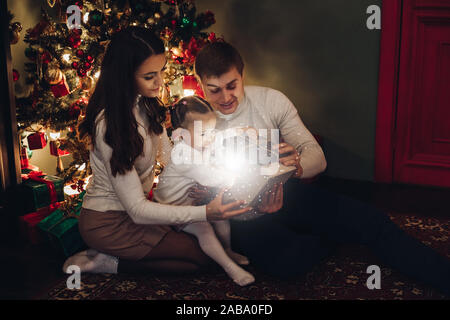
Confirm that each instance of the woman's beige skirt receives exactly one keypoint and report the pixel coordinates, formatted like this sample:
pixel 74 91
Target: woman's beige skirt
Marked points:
pixel 114 233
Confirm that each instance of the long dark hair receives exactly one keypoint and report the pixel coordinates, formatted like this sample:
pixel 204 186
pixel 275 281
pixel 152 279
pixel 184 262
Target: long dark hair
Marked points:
pixel 187 104
pixel 116 93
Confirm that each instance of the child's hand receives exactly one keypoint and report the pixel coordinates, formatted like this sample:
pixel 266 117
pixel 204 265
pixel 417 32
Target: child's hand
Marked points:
pixel 201 194
pixel 215 210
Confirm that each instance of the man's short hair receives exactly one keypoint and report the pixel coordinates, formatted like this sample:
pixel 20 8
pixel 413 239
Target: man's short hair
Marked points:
pixel 217 58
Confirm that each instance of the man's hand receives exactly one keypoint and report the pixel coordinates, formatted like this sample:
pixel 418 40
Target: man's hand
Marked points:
pixel 290 158
pixel 272 200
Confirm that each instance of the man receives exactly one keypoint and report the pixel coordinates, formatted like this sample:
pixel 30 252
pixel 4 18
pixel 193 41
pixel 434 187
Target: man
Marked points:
pixel 312 221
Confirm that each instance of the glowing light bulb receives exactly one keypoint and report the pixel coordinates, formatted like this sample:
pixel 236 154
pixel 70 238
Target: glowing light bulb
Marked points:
pixel 69 191
pixel 188 92
pixel 86 17
pixel 82 167
pixel 176 51
pixel 55 135
pixel 66 57
pixel 97 74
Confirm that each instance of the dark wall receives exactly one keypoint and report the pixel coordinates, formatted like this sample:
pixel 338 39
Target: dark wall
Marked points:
pixel 323 57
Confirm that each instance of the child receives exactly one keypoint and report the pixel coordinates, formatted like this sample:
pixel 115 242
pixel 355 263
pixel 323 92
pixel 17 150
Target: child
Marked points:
pixel 189 166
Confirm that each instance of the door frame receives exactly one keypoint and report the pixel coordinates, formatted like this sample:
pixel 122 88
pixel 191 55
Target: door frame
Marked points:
pixel 9 142
pixel 391 18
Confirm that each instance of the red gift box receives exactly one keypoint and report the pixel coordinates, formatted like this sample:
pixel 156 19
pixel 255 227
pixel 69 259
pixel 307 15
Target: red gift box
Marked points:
pixel 36 140
pixel 29 222
pixel 55 150
pixel 60 89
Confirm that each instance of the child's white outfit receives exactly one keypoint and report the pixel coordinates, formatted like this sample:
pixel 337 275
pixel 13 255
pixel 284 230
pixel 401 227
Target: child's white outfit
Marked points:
pixel 173 188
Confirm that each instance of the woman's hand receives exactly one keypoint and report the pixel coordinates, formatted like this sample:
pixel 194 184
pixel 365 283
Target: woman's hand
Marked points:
pixel 215 210
pixel 272 200
pixel 291 158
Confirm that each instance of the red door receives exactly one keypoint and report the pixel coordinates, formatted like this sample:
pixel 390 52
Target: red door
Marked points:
pixel 422 122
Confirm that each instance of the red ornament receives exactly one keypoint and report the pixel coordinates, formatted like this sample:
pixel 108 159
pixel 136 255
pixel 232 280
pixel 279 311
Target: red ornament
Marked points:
pixel 74 39
pixel 81 72
pixel 36 141
pixel 87 65
pixel 89 58
pixel 16 75
pixel 75 65
pixel 74 111
pixel 46 57
pixel 79 53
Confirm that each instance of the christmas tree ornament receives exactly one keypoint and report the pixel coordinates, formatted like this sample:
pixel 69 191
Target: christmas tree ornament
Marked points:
pixel 74 111
pixel 95 18
pixel 16 75
pixel 37 140
pixel 81 72
pixel 53 75
pixel 87 66
pixel 166 34
pixel 87 83
pixel 74 39
pixel 89 58
pixel 79 53
pixel 30 53
pixel 51 3
pixel 75 65
pixel 14 32
pixel 46 57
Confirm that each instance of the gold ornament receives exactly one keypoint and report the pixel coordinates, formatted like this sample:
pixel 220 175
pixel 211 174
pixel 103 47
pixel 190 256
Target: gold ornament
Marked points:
pixel 53 75
pixel 14 37
pixel 51 3
pixel 87 83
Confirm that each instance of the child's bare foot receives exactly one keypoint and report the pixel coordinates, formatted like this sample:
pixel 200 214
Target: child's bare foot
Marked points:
pixel 236 257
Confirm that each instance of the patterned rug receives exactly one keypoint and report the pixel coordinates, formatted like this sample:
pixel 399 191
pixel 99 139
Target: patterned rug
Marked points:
pixel 342 276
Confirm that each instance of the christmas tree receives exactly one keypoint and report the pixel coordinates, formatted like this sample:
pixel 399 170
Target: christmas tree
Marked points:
pixel 64 63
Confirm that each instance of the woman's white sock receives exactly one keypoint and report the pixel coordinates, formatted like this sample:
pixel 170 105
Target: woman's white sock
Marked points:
pixel 92 261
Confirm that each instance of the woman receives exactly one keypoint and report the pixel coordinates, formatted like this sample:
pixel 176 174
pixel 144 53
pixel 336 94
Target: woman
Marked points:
pixel 124 123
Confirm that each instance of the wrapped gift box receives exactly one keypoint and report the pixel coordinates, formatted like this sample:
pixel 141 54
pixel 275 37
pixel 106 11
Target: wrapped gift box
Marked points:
pixel 55 150
pixel 38 194
pixel 62 229
pixel 36 140
pixel 29 222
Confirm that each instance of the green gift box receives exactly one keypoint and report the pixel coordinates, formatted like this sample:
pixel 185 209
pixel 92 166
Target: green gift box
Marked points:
pixel 37 195
pixel 63 230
